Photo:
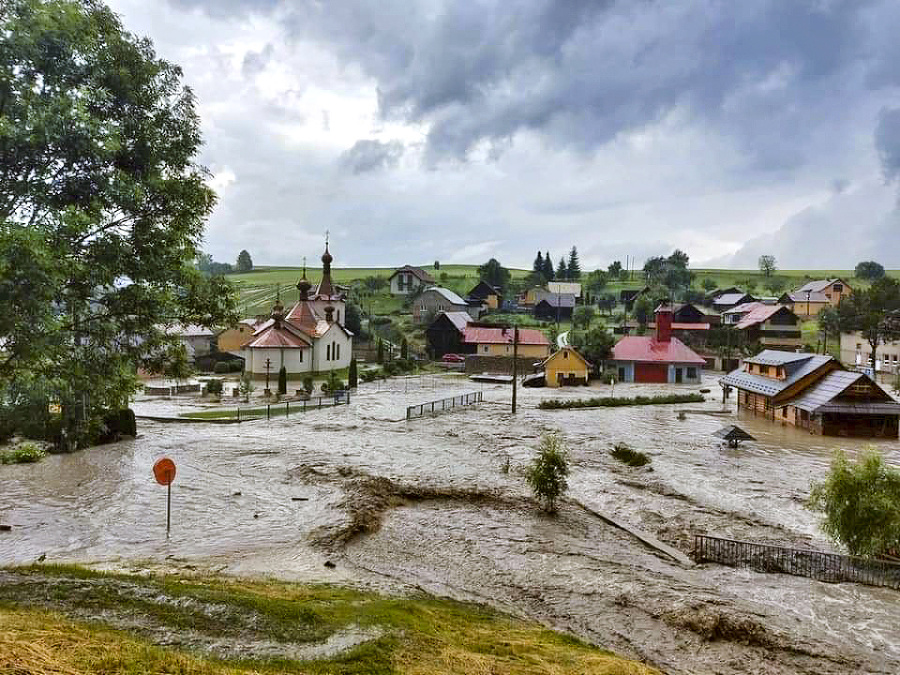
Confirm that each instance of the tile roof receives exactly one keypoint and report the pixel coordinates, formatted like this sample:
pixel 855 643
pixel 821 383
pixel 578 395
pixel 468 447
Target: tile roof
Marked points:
pixel 485 335
pixel 417 272
pixel 274 334
pixel 649 349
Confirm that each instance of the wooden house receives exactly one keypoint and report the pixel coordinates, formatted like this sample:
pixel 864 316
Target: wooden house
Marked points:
pixel 566 367
pixel 485 295
pixel 658 358
pixel 726 301
pixel 814 392
pixel 805 305
pixel 834 290
pixel 445 334
pixel 773 326
pixel 408 279
pixel 555 306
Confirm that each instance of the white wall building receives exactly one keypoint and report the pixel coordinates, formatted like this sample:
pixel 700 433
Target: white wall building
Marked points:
pixel 856 351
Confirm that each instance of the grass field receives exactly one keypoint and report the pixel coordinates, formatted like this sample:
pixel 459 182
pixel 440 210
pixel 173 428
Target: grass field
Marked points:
pixel 68 620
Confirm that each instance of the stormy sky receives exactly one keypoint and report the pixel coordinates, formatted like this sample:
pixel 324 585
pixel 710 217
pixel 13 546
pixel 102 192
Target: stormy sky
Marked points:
pixel 422 130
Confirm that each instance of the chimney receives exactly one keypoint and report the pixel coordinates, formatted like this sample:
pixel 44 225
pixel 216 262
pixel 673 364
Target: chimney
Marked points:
pixel 664 323
pixel 329 314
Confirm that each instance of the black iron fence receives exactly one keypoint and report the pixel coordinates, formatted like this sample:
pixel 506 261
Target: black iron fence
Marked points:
pixel 433 407
pixel 828 567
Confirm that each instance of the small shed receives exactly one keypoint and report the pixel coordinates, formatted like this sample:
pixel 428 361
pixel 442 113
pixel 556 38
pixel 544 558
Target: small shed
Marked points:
pixel 566 367
pixel 733 434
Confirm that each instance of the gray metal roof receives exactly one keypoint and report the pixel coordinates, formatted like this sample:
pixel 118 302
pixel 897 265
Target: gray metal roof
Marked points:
pixel 458 319
pixel 775 357
pixel 801 297
pixel 817 285
pixel 448 295
pixel 797 368
pixel 733 432
pixel 819 398
pixel 755 383
pixel 559 299
pixel 729 298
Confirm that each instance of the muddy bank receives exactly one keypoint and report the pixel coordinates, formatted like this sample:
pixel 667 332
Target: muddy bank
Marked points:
pixel 440 504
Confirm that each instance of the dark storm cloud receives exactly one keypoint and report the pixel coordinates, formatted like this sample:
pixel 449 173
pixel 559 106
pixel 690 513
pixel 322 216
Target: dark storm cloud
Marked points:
pixel 370 155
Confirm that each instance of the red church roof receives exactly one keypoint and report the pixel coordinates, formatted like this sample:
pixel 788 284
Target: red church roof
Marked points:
pixel 480 335
pixel 649 349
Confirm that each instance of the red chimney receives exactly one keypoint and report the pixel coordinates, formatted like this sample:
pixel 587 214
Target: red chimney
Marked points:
pixel 664 323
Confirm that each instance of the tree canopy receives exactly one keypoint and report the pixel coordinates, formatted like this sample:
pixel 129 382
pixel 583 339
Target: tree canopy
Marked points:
pixel 869 270
pixel 767 265
pixel 244 262
pixel 874 312
pixel 495 274
pixel 573 268
pixel 102 205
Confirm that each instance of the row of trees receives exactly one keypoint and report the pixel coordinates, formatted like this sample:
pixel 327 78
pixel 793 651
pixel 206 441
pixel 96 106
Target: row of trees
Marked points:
pixel 207 265
pixel 566 270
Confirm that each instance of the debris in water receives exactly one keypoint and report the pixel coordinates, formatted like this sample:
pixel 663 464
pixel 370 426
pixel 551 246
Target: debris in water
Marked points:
pixel 237 494
pixel 5 528
pixel 330 565
pixel 299 499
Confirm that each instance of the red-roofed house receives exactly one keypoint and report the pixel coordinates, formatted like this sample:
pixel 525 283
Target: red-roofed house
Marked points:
pixel 658 358
pixel 491 341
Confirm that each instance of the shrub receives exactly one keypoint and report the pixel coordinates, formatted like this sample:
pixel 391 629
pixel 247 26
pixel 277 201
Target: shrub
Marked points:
pixel 547 474
pixel 282 381
pixel 214 386
pixel 308 384
pixel 352 374
pixel 235 366
pixel 628 456
pixel 24 453
pixel 615 402
pixel 221 368
pixel 861 503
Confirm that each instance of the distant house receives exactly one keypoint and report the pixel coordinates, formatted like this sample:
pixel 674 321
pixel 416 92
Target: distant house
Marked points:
pixel 232 339
pixel 554 306
pixel 726 301
pixel 197 340
pixel 804 304
pixel 445 334
pixel 494 341
pixel 658 358
pixel 628 297
pixel 814 392
pixel 434 300
pixel 833 289
pixel 409 279
pixel 533 296
pixel 716 292
pixel 485 295
pixel 773 326
pixel 856 351
pixel 566 367
pixel 565 288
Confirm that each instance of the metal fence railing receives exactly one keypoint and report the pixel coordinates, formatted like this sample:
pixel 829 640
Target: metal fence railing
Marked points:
pixel 433 407
pixel 828 567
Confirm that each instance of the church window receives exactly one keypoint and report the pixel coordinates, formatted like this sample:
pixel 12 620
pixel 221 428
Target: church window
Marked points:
pixel 328 352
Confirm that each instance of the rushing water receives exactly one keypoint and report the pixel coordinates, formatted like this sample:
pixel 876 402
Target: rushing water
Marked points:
pixel 240 505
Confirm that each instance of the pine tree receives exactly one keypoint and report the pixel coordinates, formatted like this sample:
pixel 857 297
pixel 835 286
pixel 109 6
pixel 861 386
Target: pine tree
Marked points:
pixel 404 349
pixel 282 381
pixel 561 270
pixel 574 267
pixel 538 263
pixel 548 266
pixel 380 351
pixel 352 376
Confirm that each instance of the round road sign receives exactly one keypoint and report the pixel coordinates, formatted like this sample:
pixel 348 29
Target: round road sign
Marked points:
pixel 164 471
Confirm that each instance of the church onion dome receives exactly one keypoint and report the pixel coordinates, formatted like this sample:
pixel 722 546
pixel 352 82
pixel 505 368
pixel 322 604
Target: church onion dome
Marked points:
pixel 303 286
pixel 326 257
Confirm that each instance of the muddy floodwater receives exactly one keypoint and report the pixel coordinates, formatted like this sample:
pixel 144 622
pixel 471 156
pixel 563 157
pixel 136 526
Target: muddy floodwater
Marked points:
pixel 439 504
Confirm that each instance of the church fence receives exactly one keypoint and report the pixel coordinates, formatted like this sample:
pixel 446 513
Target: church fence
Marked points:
pixel 433 407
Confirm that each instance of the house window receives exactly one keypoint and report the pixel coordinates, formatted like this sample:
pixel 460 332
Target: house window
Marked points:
pixel 838 288
pixel 338 357
pixel 691 373
pixel 301 356
pixel 485 348
pixel 565 355
pixel 328 352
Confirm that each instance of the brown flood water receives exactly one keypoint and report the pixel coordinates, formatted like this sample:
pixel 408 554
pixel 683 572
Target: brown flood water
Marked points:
pixel 259 498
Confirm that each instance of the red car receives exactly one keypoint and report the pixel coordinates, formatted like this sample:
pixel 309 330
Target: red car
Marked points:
pixel 453 358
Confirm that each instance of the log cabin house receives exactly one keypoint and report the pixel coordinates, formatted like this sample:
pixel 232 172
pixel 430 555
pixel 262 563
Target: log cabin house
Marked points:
pixel 814 392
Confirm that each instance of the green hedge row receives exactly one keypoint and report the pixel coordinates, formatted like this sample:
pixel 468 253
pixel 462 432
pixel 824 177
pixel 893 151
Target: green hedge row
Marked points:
pixel 610 402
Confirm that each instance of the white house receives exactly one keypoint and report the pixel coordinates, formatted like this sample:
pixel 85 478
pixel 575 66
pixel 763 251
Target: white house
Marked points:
pixel 856 351
pixel 408 279
pixel 308 339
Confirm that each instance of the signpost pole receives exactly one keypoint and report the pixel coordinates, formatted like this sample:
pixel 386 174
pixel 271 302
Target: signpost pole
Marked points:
pixel 168 509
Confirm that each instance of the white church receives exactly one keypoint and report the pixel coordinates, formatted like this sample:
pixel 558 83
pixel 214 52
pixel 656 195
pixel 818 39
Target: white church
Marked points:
pixel 307 340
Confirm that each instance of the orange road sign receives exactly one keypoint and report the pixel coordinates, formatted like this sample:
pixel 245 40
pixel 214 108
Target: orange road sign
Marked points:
pixel 164 471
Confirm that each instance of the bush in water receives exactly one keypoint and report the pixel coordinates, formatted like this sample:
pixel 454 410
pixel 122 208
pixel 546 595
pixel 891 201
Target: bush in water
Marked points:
pixel 24 453
pixel 547 474
pixel 610 402
pixel 630 457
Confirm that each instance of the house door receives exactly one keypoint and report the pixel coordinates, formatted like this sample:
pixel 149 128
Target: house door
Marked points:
pixel 621 374
pixel 678 376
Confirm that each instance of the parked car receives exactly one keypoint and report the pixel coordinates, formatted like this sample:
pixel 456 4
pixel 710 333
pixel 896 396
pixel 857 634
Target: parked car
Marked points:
pixel 453 358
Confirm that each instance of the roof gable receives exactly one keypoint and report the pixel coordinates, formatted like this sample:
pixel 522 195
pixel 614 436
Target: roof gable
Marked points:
pixel 482 290
pixel 503 336
pixel 558 355
pixel 417 272
pixel 645 348
pixel 447 294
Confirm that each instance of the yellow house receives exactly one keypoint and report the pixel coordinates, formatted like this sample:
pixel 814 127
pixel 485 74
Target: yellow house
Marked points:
pixel 491 341
pixel 232 339
pixel 566 367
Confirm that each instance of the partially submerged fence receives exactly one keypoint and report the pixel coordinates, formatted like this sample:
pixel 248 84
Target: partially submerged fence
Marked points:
pixel 443 404
pixel 828 567
pixel 268 411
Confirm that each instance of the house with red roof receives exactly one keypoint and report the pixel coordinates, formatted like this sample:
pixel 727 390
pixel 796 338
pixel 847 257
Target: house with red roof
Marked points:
pixel 657 358
pixel 496 341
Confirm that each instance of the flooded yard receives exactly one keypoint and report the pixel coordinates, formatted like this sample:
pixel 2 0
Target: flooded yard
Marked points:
pixel 440 503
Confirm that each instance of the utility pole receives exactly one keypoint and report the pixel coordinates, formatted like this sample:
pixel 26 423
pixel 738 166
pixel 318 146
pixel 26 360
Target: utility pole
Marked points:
pixel 515 365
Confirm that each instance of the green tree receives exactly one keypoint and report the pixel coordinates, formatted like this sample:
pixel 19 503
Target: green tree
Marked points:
pixel 869 270
pixel 708 284
pixel 352 319
pixel 861 504
pixel 574 265
pixel 606 302
pixel 380 349
pixel 655 269
pixel 595 344
pixel 874 312
pixel 538 265
pixel 562 271
pixel 102 206
pixel 643 310
pixel 597 281
pixel 829 324
pixel 548 267
pixel 547 474
pixel 282 381
pixel 615 270
pixel 352 374
pixel 775 285
pixel 767 265
pixel 404 349
pixel 495 274
pixel 244 262
pixel 583 315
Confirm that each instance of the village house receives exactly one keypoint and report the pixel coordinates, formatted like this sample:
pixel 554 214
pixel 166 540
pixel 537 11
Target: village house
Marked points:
pixel 857 352
pixel 725 301
pixel 772 326
pixel 308 339
pixel 553 307
pixel 485 296
pixel 628 297
pixel 408 279
pixel 437 299
pixel 834 290
pixel 495 341
pixel 232 339
pixel 564 288
pixel 814 392
pixel 445 334
pixel 566 367
pixel 197 340
pixel 657 358
pixel 805 305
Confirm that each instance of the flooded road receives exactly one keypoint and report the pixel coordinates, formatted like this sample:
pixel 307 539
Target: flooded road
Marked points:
pixel 440 503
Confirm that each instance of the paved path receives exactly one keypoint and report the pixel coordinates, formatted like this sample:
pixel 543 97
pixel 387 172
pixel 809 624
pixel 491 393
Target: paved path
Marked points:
pixel 562 340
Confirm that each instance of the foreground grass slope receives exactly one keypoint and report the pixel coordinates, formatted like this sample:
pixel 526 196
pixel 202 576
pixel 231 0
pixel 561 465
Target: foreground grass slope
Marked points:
pixel 70 620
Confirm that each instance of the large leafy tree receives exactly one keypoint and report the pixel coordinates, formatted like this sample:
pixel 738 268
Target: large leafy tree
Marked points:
pixel 767 265
pixel 495 274
pixel 102 206
pixel 244 262
pixel 869 270
pixel 874 312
